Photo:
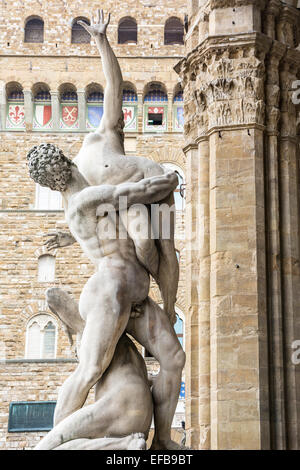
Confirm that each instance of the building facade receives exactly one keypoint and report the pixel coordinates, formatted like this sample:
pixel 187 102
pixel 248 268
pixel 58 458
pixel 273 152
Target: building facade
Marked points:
pixel 51 90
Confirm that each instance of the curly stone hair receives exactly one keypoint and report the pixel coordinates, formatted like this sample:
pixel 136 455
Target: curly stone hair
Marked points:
pixel 49 167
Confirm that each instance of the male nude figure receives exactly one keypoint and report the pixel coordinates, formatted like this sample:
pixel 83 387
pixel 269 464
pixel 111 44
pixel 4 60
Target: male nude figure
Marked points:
pixel 119 283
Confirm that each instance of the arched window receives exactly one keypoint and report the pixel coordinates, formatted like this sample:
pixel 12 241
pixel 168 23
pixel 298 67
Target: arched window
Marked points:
pixel 68 107
pixel 41 337
pixel 179 191
pixel 155 108
pixel 79 35
pixel 94 100
pixel 46 268
pixel 173 31
pixel 15 117
pixel 34 30
pixel 178 116
pixel 130 109
pixel 42 119
pixel 127 31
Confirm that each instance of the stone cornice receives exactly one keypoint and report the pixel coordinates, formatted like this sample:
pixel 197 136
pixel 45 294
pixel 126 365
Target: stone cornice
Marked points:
pixel 234 127
pixel 228 128
pixel 201 138
pixel 190 146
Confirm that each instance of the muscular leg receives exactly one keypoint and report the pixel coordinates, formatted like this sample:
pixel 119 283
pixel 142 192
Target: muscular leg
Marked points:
pixel 103 418
pixel 168 264
pixel 124 386
pixel 105 306
pixel 168 269
pixel 154 331
pixel 92 421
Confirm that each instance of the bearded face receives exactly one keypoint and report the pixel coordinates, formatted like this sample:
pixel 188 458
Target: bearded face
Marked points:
pixel 49 167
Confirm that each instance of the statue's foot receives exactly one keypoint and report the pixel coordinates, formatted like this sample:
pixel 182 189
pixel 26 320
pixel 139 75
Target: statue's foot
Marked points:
pixel 167 445
pixel 136 442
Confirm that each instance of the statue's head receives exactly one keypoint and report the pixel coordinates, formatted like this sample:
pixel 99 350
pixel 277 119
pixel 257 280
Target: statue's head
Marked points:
pixel 49 167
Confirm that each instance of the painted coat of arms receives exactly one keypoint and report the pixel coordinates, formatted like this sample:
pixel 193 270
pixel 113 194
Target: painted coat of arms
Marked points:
pixel 156 110
pixel 129 113
pixel 151 112
pixel 43 115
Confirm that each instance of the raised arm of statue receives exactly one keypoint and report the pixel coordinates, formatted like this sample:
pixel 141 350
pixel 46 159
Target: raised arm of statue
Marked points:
pixel 112 112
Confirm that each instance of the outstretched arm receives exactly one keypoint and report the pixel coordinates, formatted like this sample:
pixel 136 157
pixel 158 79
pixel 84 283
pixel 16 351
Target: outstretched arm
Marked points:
pixel 113 90
pixel 146 191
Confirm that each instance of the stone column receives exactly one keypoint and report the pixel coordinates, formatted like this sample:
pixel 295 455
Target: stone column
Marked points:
pixel 55 107
pixel 274 266
pixel 81 110
pixel 3 106
pixel 28 106
pixel 225 109
pixel 239 353
pixel 204 293
pixel 234 101
pixel 269 23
